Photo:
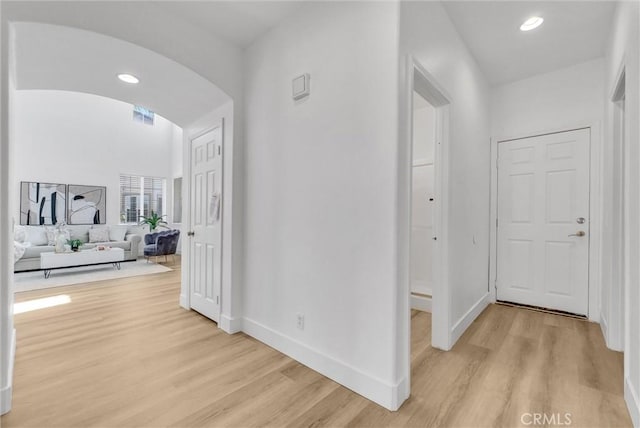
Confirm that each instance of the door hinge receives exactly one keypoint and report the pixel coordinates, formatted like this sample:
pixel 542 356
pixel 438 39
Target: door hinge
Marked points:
pixel 496 222
pixel 219 150
pixel 217 300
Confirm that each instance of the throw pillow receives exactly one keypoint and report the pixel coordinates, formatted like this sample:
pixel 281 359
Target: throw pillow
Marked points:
pixel 36 235
pixel 117 233
pixel 19 234
pixel 99 235
pixel 79 232
pixel 19 250
pixel 65 233
pixel 51 235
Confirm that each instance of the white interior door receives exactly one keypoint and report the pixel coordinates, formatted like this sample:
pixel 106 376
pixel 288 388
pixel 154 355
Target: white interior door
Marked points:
pixel 205 236
pixel 422 229
pixel 543 221
pixel 422 196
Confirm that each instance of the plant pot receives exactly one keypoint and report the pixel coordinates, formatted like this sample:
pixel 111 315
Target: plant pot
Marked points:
pixel 75 249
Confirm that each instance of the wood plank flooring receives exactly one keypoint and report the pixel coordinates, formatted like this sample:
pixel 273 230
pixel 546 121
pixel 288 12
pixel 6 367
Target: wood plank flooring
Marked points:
pixel 124 354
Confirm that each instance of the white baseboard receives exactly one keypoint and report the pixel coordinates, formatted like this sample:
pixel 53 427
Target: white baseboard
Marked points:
pixel 230 325
pixel 605 329
pixel 402 393
pixel 7 391
pixel 633 402
pixel 612 343
pixel 463 323
pixel 421 303
pixel 604 326
pixel 383 393
pixel 183 302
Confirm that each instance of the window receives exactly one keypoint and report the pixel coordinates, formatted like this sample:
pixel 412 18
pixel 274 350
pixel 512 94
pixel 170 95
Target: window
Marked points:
pixel 143 115
pixel 139 196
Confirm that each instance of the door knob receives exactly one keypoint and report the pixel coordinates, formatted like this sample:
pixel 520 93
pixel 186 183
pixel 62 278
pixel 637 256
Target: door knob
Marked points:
pixel 191 233
pixel 580 220
pixel 578 233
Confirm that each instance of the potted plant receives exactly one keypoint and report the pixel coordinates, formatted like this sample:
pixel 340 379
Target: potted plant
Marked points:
pixel 154 221
pixel 75 244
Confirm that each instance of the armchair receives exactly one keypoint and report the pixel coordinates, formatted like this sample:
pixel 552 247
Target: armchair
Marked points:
pixel 161 244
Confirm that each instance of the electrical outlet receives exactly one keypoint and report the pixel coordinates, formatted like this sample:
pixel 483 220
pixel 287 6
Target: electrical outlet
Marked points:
pixel 300 321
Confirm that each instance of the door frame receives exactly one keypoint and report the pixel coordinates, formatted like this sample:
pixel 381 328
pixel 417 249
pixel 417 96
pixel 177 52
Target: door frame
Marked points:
pixel 420 80
pixel 615 328
pixel 595 209
pixel 185 294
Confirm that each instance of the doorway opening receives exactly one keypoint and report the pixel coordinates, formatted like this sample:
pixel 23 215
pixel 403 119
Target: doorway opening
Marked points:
pixel 422 202
pixel 428 202
pixel 615 313
pixel 183 109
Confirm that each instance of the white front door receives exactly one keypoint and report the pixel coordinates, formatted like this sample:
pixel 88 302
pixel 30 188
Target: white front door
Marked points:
pixel 543 221
pixel 205 236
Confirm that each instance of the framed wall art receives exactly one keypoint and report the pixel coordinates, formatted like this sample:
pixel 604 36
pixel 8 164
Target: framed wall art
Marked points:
pixel 42 203
pixel 86 204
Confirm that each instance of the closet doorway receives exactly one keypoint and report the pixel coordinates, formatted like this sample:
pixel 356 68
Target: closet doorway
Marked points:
pixel 422 203
pixel 428 247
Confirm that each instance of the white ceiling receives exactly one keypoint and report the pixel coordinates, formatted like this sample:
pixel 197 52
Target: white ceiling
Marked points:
pixel 63 58
pixel 239 22
pixel 572 32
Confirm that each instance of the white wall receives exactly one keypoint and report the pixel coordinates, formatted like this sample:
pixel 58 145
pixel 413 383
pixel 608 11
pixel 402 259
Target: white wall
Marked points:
pixel 320 193
pixel 554 101
pixel 427 34
pixel 74 138
pixel 625 46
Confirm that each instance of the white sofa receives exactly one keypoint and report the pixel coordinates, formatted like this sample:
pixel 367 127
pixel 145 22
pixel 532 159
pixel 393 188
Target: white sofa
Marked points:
pixel 31 258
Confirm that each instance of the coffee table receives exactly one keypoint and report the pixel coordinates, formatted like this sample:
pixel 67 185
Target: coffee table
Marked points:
pixel 51 261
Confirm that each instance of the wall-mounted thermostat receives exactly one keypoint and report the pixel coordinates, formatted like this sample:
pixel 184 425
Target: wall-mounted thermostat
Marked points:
pixel 301 86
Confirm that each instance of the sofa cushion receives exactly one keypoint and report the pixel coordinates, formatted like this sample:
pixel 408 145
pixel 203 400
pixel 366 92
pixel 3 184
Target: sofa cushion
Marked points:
pixel 36 235
pixel 100 234
pixel 35 251
pixel 117 233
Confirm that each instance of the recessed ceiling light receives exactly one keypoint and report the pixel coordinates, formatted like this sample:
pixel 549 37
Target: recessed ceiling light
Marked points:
pixel 128 78
pixel 531 23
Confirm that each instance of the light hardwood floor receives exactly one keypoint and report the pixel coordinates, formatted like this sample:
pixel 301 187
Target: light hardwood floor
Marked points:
pixel 124 354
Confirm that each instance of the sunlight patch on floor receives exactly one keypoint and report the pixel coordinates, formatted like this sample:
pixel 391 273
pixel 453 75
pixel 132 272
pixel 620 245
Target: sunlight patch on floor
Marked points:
pixel 45 302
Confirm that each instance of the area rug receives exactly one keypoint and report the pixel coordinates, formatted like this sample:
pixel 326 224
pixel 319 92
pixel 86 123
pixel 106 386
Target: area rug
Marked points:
pixel 27 281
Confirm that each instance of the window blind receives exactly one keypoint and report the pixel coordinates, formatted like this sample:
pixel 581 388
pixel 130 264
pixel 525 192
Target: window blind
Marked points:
pixel 139 196
pixel 130 190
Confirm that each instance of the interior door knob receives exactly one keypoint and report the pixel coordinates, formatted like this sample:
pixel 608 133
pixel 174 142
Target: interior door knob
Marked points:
pixel 578 233
pixel 191 233
pixel 580 220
